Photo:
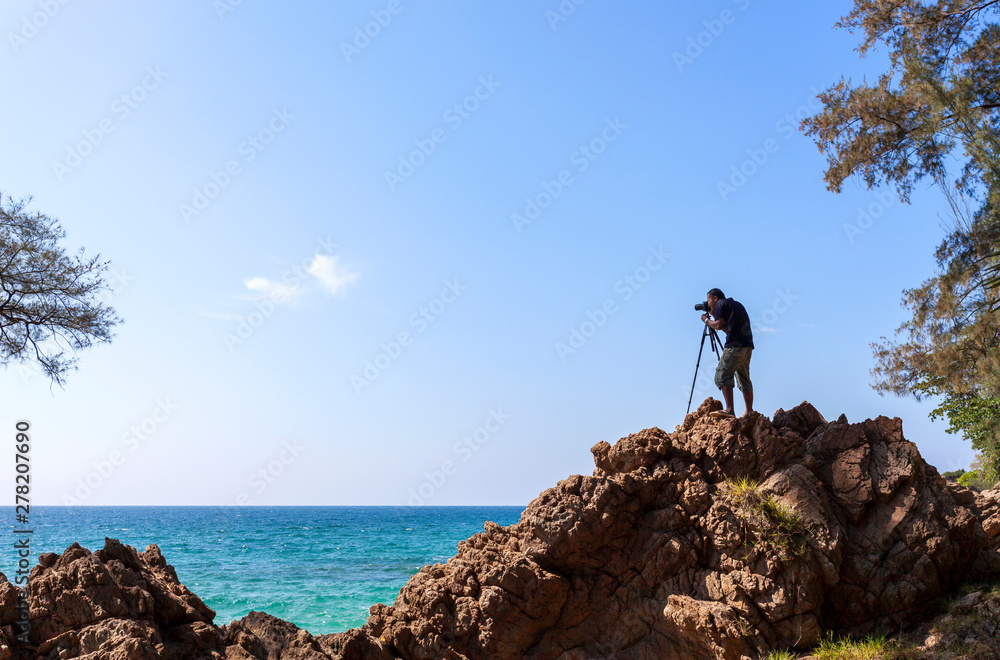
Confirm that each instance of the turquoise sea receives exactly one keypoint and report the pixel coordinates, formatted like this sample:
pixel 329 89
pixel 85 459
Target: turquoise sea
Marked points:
pixel 319 567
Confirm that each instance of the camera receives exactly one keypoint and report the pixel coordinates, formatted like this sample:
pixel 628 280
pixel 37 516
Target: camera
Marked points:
pixel 702 307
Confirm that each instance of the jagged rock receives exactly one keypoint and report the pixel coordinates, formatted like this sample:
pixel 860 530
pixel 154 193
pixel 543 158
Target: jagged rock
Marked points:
pixel 81 588
pixel 723 539
pixel 115 603
pixel 658 554
pixel 264 637
pixel 118 639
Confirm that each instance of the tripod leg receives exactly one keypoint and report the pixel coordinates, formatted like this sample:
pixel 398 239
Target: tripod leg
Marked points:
pixel 698 365
pixel 716 342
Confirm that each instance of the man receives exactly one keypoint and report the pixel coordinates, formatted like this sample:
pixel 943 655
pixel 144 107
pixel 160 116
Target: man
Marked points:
pixel 731 317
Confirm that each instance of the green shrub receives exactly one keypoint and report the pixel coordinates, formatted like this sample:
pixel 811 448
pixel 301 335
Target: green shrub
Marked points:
pixel 977 480
pixel 775 523
pixel 953 475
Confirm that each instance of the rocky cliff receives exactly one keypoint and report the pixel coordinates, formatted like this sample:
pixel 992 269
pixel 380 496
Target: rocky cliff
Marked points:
pixel 724 539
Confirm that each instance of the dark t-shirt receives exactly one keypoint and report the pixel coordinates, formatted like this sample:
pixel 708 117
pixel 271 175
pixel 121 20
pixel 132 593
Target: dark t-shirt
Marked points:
pixel 737 322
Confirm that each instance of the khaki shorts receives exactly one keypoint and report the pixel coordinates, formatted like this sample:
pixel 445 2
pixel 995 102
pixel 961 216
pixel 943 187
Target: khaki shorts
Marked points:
pixel 734 360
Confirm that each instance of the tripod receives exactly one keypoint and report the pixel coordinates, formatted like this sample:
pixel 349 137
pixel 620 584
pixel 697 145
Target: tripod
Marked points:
pixel 713 338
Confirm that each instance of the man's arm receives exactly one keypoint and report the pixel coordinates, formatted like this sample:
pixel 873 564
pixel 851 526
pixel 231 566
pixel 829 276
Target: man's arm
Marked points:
pixel 717 324
pixel 721 312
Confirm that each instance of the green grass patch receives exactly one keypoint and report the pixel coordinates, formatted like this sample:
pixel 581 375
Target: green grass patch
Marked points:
pixel 742 487
pixel 869 648
pixel 773 522
pixel 963 630
pixel 779 655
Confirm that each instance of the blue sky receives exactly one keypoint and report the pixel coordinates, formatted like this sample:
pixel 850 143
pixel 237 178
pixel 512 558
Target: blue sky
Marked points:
pixel 348 239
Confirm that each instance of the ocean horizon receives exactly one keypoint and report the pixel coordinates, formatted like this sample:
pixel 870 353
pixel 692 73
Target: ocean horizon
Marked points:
pixel 319 567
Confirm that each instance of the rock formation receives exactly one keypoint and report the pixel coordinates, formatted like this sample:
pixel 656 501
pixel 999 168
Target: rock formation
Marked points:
pixel 722 540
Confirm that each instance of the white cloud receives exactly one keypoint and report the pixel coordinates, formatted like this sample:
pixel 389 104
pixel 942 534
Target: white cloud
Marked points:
pixel 333 277
pixel 277 292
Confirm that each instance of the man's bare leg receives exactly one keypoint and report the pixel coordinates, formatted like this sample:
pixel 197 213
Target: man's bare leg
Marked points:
pixel 727 394
pixel 747 399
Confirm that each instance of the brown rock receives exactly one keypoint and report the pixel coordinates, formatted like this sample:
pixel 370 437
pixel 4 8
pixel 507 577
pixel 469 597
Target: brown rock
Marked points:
pixel 117 639
pixel 120 604
pixel 81 588
pixel 263 636
pixel 722 540
pixel 662 554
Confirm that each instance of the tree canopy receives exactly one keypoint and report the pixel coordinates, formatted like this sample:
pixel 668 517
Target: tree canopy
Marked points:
pixel 939 93
pixel 935 113
pixel 50 305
